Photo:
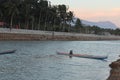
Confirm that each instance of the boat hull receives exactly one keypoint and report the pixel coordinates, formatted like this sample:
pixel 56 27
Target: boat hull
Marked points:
pixel 83 55
pixel 7 52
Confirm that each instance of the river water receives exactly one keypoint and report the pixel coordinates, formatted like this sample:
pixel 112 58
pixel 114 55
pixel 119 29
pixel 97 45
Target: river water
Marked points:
pixel 37 60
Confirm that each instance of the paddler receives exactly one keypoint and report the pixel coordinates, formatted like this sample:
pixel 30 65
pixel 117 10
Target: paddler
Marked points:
pixel 71 53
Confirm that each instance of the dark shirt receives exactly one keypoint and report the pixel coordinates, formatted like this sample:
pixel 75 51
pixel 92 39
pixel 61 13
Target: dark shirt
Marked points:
pixel 71 52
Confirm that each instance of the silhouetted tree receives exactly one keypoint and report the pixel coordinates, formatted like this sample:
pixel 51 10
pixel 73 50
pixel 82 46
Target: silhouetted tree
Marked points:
pixel 78 25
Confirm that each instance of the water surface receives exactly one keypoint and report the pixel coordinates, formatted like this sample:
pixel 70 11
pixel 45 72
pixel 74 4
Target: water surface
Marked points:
pixel 37 60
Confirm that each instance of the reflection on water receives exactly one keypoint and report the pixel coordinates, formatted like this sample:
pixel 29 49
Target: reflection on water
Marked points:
pixel 37 60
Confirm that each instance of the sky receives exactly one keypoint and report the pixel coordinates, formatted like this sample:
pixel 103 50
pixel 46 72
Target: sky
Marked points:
pixel 93 10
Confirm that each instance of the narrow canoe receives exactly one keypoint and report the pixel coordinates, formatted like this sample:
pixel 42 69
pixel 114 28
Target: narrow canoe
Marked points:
pixel 8 52
pixel 84 55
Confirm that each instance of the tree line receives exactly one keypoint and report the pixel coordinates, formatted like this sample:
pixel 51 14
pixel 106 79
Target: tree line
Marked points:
pixel 41 15
pixel 34 14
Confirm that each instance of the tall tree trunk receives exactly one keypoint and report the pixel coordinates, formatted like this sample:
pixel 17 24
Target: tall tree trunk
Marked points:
pixel 11 21
pixel 69 29
pixel 45 23
pixel 19 24
pixel 53 32
pixel 39 25
pixel 26 23
pixel 32 22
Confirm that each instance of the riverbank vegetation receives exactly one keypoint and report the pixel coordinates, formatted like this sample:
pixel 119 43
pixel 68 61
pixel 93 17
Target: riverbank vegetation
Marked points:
pixel 41 15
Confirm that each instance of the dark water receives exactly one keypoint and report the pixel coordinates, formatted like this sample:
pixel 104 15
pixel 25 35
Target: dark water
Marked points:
pixel 37 60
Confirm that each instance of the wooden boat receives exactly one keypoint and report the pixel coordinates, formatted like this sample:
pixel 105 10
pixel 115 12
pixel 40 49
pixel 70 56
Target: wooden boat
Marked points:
pixel 83 55
pixel 8 52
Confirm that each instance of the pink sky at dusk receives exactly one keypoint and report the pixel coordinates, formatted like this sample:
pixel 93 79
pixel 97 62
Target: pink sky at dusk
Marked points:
pixel 112 15
pixel 94 10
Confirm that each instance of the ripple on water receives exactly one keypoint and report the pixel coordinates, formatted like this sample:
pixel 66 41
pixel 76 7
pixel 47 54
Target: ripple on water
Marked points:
pixel 37 60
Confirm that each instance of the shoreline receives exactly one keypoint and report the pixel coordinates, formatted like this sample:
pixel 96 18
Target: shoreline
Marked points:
pixel 115 70
pixel 22 34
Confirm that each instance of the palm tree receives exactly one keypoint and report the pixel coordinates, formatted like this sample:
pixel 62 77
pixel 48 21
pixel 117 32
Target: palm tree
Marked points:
pixel 70 18
pixel 42 7
pixel 78 25
pixel 12 9
pixel 2 9
pixel 26 12
pixel 54 17
pixel 39 11
pixel 62 9
pixel 1 13
pixel 33 12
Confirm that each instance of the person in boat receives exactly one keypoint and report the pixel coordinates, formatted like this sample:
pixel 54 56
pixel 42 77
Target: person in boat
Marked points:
pixel 71 53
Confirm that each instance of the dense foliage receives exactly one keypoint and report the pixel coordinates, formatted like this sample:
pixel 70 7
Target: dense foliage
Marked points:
pixel 41 15
pixel 34 14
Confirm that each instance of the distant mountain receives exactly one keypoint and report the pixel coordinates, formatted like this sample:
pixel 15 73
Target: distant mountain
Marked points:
pixel 103 24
